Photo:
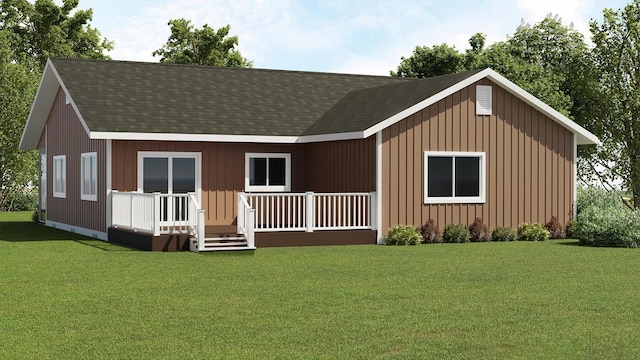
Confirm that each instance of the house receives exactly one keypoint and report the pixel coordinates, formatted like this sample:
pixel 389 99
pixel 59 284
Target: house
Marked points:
pixel 167 157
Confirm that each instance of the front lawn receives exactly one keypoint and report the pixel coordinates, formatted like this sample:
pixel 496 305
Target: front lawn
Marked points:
pixel 66 296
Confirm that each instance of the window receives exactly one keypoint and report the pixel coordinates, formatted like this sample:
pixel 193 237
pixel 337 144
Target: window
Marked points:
pixel 483 100
pixel 89 176
pixel 267 172
pixel 454 177
pixel 60 176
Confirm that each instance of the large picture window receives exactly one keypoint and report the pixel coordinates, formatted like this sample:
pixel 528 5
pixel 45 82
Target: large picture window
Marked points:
pixel 267 172
pixel 60 176
pixel 89 176
pixel 454 177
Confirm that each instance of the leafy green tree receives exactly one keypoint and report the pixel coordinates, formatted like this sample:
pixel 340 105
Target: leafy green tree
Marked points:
pixel 616 55
pixel 430 61
pixel 206 46
pixel 30 33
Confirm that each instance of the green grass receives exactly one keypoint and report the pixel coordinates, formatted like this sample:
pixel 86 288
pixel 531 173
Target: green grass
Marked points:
pixel 64 296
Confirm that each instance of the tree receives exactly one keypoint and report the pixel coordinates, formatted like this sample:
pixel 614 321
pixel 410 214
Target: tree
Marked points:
pixel 206 46
pixel 29 34
pixel 616 55
pixel 430 61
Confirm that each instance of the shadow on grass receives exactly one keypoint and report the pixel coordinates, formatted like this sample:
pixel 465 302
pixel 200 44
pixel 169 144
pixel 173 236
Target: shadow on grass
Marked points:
pixel 30 231
pixel 232 253
pixel 568 242
pixel 105 245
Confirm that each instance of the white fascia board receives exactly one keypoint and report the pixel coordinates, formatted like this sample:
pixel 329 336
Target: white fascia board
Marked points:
pixel 41 107
pixel 331 137
pixel 70 99
pixel 193 137
pixel 583 135
pixel 425 103
pixel 226 138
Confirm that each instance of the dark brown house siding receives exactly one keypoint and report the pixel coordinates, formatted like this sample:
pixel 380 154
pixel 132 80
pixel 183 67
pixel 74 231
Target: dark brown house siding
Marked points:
pixel 323 167
pixel 341 166
pixel 529 162
pixel 66 136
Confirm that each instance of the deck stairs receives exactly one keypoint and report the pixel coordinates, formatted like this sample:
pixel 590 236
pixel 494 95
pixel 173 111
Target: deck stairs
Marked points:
pixel 220 238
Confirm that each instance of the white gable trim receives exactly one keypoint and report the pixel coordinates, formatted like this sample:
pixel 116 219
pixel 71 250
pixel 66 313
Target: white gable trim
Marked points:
pixel 41 107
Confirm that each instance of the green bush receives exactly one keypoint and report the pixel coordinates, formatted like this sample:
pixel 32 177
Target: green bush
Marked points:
pixel 532 232
pixel 430 232
pixel 593 196
pixel 555 229
pixel 456 233
pixel 608 226
pixel 479 231
pixel 21 200
pixel 503 234
pixel 403 235
pixel 571 229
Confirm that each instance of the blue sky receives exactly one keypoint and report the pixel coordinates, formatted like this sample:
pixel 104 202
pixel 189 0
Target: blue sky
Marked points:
pixel 361 37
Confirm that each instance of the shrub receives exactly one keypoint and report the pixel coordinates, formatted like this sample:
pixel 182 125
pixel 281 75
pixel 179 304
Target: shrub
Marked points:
pixel 503 234
pixel 479 231
pixel 608 226
pixel 571 229
pixel 532 232
pixel 403 235
pixel 555 229
pixel 430 232
pixel 593 196
pixel 21 200
pixel 456 233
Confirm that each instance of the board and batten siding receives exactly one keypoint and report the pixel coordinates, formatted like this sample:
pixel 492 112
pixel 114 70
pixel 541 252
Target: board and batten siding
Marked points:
pixel 337 166
pixel 65 135
pixel 529 170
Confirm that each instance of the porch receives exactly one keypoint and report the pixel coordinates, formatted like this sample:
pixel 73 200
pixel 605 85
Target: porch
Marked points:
pixel 167 222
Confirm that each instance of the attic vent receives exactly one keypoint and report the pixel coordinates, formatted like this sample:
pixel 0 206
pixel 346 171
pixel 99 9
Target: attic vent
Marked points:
pixel 67 99
pixel 483 100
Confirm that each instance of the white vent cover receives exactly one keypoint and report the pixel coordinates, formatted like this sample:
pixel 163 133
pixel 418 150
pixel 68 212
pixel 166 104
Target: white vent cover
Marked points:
pixel 483 100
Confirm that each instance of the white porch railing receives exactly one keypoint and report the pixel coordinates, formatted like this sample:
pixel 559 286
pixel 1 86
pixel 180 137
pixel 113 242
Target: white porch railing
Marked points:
pixel 157 213
pixel 246 221
pixel 309 211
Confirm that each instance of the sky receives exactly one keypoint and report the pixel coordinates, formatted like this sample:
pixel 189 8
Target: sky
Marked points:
pixel 356 36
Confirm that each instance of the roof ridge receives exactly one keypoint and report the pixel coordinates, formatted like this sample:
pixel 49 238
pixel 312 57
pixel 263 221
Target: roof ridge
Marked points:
pixel 226 68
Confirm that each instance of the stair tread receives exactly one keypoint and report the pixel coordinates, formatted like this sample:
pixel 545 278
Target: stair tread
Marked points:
pixel 228 248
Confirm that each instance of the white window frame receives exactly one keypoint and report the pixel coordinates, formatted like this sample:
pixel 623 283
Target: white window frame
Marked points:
pixel 480 199
pixel 92 159
pixel 59 182
pixel 170 155
pixel 487 91
pixel 264 188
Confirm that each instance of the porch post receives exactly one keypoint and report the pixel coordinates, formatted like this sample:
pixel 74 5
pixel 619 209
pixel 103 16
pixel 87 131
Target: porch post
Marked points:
pixel 251 214
pixel 156 213
pixel 240 212
pixel 310 218
pixel 373 211
pixel 200 232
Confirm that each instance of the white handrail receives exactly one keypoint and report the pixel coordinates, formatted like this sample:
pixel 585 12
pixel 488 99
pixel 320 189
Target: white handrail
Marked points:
pixel 308 211
pixel 158 213
pixel 246 220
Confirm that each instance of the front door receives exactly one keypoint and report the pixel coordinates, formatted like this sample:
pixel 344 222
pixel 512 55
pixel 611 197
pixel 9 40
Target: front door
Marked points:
pixel 172 174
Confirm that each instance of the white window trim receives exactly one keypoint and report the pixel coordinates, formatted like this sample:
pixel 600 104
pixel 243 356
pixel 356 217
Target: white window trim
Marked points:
pixel 93 156
pixel 170 155
pixel 262 188
pixel 63 159
pixel 480 108
pixel 481 199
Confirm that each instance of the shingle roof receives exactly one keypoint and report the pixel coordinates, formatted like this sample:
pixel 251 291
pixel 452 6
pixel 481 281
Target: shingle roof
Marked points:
pixel 119 96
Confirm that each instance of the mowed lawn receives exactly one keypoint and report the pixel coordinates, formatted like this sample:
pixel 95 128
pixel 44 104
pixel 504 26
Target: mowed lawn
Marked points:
pixel 63 296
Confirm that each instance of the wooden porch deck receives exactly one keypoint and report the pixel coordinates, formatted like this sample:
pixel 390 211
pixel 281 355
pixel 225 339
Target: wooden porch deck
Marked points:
pixel 180 241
